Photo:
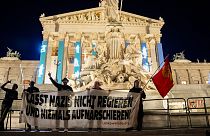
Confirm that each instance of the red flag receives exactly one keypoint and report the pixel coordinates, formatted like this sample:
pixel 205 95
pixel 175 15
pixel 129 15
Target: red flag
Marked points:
pixel 163 79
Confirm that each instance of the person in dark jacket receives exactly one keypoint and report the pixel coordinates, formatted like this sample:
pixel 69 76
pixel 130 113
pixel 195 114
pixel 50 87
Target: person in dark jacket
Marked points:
pixel 63 86
pixel 95 86
pixel 11 94
pixel 137 89
pixel 32 89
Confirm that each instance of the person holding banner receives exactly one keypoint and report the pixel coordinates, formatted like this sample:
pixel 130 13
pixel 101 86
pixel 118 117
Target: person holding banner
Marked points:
pixel 63 86
pixel 95 86
pixel 32 89
pixel 11 94
pixel 137 89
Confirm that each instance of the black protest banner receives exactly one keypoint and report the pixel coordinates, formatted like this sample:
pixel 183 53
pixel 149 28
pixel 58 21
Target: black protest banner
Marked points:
pixel 80 109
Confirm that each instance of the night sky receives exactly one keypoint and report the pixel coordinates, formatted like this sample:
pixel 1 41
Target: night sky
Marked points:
pixel 187 23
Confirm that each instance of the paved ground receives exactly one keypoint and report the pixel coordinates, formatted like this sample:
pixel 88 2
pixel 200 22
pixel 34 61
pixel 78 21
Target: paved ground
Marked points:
pixel 157 132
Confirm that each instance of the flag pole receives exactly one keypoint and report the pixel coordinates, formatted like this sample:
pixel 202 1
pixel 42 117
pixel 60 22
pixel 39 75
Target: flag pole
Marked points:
pixel 155 71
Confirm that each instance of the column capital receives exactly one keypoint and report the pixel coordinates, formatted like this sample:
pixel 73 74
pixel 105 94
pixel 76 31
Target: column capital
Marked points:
pixel 45 35
pixel 94 36
pixel 152 42
pixel 127 37
pixel 67 39
pixel 78 36
pixel 62 36
pixel 158 38
pixel 143 38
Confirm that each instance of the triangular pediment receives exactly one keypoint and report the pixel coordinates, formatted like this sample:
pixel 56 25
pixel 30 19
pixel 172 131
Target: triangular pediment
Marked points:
pixel 98 15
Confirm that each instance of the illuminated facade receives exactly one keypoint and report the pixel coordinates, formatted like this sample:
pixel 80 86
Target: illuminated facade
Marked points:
pixel 71 40
pixel 75 43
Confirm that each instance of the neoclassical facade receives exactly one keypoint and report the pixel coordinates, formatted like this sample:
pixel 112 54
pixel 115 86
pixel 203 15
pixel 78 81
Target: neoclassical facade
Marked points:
pixel 71 41
pixel 94 44
pixel 186 73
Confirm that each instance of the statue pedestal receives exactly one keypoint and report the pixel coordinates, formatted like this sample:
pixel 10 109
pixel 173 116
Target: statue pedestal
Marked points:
pixel 116 86
pixel 9 58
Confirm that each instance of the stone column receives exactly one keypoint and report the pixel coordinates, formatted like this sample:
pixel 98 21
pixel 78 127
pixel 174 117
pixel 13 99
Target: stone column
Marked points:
pixel 201 76
pixel 43 58
pixel 160 57
pixel 77 56
pixel 176 77
pixel 49 58
pixel 144 50
pixel 65 57
pixel 60 61
pixel 189 76
pixel 154 65
pixel 7 74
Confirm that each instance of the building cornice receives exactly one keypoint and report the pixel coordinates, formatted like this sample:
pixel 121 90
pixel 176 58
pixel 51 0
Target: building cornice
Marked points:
pixel 98 16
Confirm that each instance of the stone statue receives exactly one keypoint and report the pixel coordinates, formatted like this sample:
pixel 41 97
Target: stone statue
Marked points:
pixel 93 16
pixel 102 3
pixel 108 79
pixel 161 19
pixel 42 15
pixel 112 10
pixel 9 52
pixel 102 16
pixel 179 56
pixel 81 17
pixel 88 16
pixel 205 61
pixel 13 54
pixel 88 63
pixel 114 65
pixel 115 44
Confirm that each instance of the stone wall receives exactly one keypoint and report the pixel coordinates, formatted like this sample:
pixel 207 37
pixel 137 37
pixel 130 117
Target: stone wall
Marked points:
pixel 11 70
pixel 190 73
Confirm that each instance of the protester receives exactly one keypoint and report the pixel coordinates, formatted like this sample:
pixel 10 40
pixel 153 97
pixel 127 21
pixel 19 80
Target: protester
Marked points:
pixel 11 94
pixel 32 89
pixel 96 86
pixel 63 86
pixel 137 89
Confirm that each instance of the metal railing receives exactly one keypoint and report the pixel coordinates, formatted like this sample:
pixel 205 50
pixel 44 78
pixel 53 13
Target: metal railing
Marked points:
pixel 199 111
pixel 178 112
pixel 15 108
pixel 166 113
pixel 161 113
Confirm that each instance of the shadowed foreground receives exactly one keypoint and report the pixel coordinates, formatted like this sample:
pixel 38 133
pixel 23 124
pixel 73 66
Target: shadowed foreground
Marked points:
pixel 157 132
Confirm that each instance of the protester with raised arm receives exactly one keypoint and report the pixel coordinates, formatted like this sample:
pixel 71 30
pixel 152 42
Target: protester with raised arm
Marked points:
pixel 137 89
pixel 32 89
pixel 63 86
pixel 11 94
